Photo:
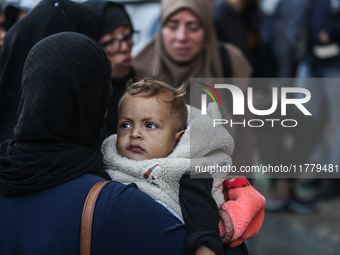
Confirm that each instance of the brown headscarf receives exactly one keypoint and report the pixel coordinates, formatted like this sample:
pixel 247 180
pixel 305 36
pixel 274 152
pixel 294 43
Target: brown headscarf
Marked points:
pixel 154 61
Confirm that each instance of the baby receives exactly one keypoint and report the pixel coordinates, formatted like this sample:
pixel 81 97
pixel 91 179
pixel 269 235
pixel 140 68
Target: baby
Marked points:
pixel 153 149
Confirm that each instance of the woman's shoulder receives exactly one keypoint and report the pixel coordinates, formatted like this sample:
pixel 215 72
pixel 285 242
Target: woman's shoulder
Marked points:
pixel 128 221
pixel 125 221
pixel 240 66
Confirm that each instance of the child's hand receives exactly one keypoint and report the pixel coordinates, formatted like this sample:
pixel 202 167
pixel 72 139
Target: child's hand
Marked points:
pixel 204 250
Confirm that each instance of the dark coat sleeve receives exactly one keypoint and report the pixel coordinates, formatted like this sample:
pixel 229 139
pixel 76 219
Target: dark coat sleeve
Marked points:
pixel 200 213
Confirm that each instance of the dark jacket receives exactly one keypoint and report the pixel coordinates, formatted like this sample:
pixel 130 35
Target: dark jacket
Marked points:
pixel 126 221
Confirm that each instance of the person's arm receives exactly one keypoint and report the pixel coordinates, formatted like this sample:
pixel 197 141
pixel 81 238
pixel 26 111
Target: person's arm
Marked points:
pixel 201 215
pixel 204 250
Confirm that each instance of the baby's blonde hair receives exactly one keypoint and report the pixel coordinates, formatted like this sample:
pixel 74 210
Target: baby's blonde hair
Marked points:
pixel 149 87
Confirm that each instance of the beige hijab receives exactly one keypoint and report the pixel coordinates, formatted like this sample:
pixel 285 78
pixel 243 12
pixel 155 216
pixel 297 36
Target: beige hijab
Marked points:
pixel 154 61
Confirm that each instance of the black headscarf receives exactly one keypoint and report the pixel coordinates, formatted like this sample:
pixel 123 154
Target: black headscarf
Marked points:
pixel 11 11
pixel 47 18
pixel 65 92
pixel 110 15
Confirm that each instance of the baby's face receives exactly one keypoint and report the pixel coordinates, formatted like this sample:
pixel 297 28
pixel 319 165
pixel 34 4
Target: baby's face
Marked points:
pixel 146 128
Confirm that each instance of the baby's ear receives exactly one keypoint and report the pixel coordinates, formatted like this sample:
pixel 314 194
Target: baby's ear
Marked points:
pixel 178 137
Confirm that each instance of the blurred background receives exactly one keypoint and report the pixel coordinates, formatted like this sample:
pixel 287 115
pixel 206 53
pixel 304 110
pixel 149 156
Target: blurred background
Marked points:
pixel 293 39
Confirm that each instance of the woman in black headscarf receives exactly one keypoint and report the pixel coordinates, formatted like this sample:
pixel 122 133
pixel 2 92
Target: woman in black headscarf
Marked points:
pixel 58 121
pixel 48 168
pixel 47 18
pixel 116 37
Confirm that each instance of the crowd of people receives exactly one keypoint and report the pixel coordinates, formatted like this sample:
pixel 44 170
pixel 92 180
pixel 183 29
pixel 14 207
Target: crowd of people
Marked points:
pixel 76 107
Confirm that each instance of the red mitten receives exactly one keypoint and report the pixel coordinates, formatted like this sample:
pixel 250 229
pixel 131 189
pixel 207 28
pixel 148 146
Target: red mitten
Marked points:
pixel 243 214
